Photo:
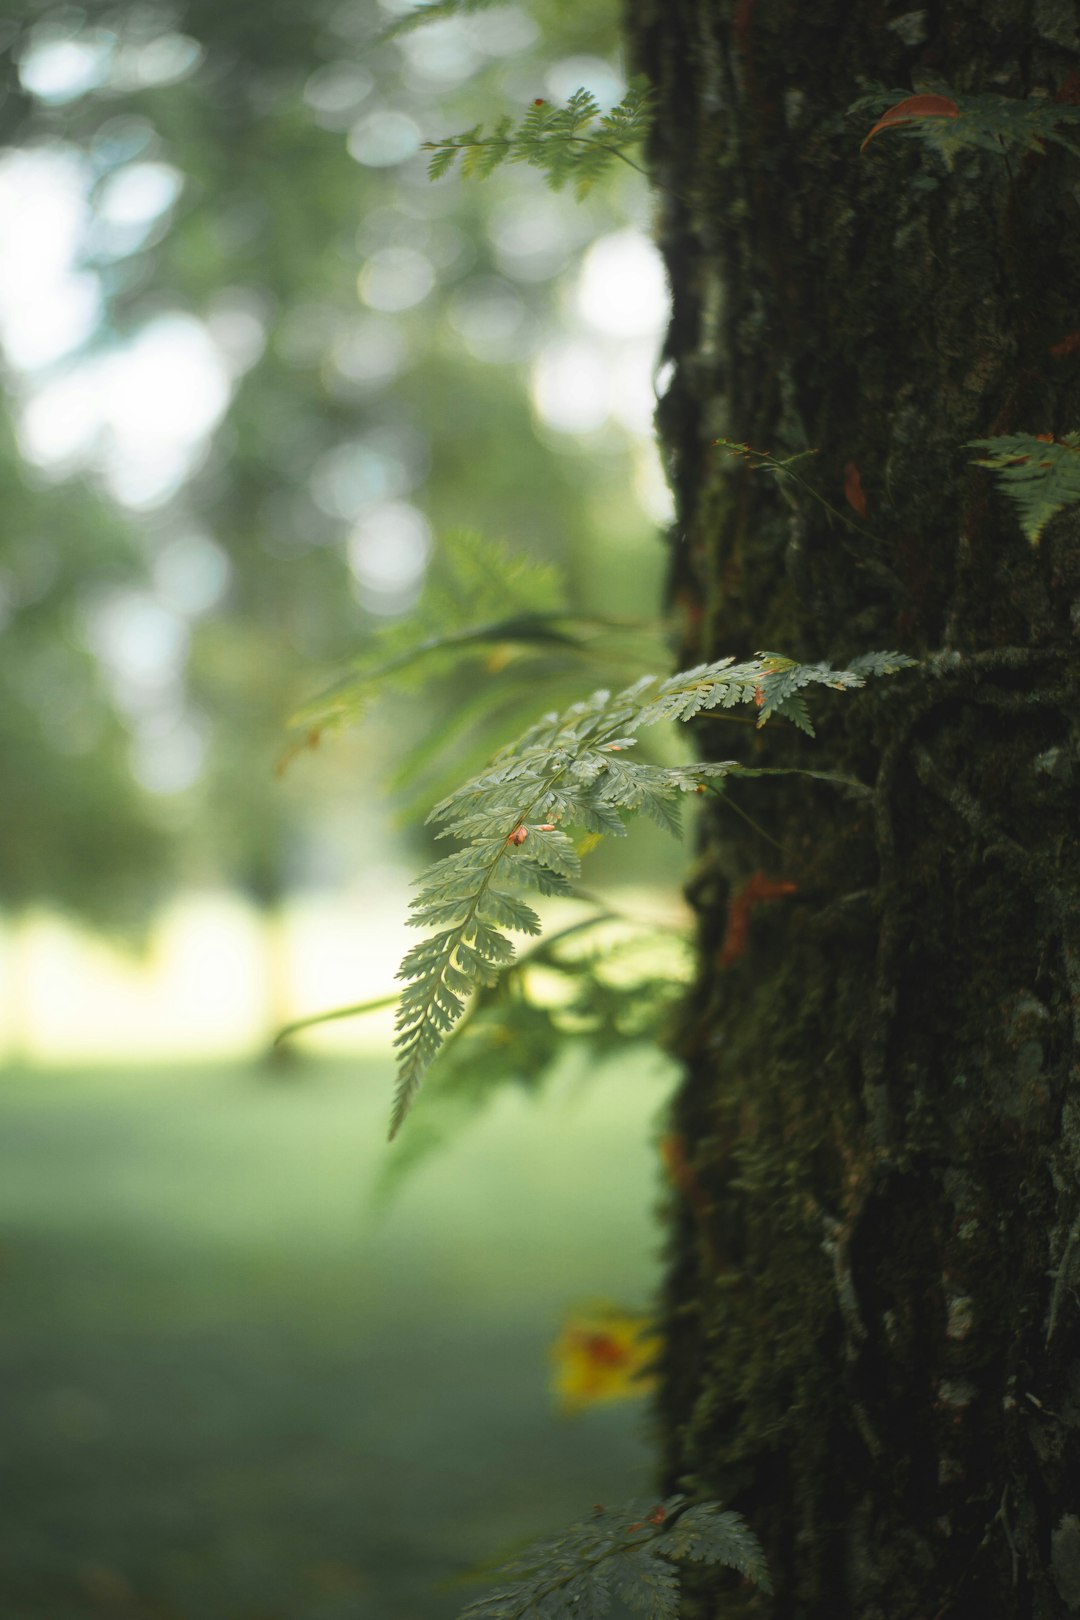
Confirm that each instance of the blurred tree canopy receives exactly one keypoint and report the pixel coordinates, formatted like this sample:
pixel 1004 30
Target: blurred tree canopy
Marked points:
pixel 255 363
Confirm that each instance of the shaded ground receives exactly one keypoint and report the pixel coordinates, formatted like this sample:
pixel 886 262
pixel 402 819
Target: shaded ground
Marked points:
pixel 232 1394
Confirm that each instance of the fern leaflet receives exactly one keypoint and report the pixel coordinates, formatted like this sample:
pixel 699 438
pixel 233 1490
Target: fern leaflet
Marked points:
pixel 572 144
pixel 630 1554
pixel 599 985
pixel 567 770
pixel 1041 475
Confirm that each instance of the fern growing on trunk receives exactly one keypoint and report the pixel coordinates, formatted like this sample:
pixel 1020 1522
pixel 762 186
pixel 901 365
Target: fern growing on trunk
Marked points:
pixel 568 771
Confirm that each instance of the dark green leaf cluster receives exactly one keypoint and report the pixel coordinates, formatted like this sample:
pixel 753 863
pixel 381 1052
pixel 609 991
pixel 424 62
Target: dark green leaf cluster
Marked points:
pixel 574 144
pixel 484 611
pixel 627 1554
pixel 568 770
pixel 1040 476
pixel 479 596
pixel 986 123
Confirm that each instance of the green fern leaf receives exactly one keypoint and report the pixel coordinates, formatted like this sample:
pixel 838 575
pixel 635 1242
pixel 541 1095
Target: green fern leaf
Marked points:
pixel 878 663
pixel 648 1584
pixel 572 144
pixel 631 1552
pixel 566 771
pixel 441 162
pixel 508 911
pixel 784 679
pixel 1041 477
pixel 629 123
pixel 706 1534
pixel 617 982
pixel 481 157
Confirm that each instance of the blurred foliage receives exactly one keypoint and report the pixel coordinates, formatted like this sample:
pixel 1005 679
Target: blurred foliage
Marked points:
pixel 491 643
pixel 605 1354
pixel 73 826
pixel 247 178
pixel 230 1385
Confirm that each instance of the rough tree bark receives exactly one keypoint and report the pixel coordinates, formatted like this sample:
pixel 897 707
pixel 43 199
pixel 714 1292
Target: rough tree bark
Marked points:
pixel 873 1300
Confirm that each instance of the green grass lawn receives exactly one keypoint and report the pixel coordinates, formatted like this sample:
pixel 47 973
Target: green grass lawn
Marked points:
pixel 231 1392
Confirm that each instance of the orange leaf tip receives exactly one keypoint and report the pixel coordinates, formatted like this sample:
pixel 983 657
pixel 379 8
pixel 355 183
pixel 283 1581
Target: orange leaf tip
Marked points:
pixel 910 111
pixel 853 490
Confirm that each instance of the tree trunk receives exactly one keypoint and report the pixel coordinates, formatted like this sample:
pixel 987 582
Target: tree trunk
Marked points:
pixel 873 1316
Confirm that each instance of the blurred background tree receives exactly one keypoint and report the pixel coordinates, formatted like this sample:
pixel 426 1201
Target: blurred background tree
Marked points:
pixel 256 365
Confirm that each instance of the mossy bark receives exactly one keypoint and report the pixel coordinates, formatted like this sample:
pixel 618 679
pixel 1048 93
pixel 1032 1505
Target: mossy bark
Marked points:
pixel 873 1300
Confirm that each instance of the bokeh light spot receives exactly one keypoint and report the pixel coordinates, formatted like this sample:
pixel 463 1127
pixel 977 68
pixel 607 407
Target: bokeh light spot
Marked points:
pixel 622 289
pixel 569 387
pixel 58 67
pixel 191 574
pixel 336 91
pixel 395 278
pixel 383 139
pixel 601 78
pixel 387 553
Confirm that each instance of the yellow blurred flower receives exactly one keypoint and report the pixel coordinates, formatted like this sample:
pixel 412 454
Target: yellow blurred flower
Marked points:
pixel 604 1355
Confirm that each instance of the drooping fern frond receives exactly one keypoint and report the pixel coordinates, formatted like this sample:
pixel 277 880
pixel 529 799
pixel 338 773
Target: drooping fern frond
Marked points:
pixel 574 144
pixel 597 987
pixel 1040 474
pixel 568 770
pixel 628 1554
pixel 951 123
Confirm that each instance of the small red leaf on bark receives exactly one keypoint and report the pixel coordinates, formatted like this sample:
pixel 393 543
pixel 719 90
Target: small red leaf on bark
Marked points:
pixel 853 490
pixel 911 111
pixel 754 891
pixel 1065 346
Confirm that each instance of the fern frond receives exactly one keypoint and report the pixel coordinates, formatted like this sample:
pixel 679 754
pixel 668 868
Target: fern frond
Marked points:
pixel 779 692
pixel 1041 476
pixel 878 663
pixel 706 1534
pixel 441 161
pixel 568 770
pixel 574 144
pixel 629 1553
pixel 951 123
pixel 599 985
